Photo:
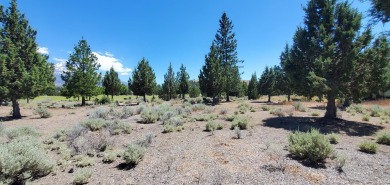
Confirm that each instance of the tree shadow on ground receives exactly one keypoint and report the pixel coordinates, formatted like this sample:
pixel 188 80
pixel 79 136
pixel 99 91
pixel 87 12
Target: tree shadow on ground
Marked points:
pixel 125 166
pixel 9 118
pixel 350 128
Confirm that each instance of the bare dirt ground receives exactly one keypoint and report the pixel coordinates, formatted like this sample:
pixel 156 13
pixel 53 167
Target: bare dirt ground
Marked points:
pixel 194 156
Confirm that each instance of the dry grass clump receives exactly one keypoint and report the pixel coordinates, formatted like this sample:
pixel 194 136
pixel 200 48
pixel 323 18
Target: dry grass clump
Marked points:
pixel 368 147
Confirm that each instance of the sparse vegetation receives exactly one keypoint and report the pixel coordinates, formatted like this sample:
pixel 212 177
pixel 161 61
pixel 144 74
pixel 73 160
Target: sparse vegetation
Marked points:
pixel 366 118
pixel 237 132
pixel 240 122
pixel 149 116
pixel 21 131
pixel 94 124
pixel 298 106
pixel 356 108
pixel 333 138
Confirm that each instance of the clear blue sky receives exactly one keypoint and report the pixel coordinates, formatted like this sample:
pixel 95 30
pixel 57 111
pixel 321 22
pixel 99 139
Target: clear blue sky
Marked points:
pixel 122 32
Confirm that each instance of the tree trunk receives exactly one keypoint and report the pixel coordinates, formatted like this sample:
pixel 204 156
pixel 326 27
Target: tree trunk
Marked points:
pixel 269 98
pixel 15 109
pixel 227 97
pixel 289 97
pixel 112 97
pixel 331 109
pixel 144 97
pixel 82 101
pixel 182 96
pixel 28 100
pixel 347 102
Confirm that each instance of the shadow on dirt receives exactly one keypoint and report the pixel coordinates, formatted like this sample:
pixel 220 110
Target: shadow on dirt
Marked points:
pixel 9 118
pixel 350 128
pixel 124 166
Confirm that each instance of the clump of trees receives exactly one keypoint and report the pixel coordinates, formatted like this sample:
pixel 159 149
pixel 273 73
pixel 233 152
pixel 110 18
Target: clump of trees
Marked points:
pixel 143 79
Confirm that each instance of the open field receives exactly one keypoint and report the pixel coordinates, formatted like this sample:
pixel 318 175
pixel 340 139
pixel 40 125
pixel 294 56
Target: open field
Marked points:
pixel 188 154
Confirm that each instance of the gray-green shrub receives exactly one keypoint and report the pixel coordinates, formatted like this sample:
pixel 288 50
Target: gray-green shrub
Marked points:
pixel 383 138
pixel 94 124
pixel 42 112
pixel 376 111
pixel 210 126
pixel 99 113
pixel 355 108
pixel 82 176
pixel 116 127
pixel 134 154
pixel 311 145
pixel 149 116
pixel 368 147
pixel 23 158
pixel 241 122
pixel 13 133
pixel 333 138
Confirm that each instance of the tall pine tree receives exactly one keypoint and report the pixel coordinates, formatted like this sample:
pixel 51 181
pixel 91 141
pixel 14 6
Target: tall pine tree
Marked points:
pixel 183 80
pixel 24 73
pixel 81 77
pixel 169 86
pixel 252 88
pixel 144 79
pixel 111 83
pixel 226 45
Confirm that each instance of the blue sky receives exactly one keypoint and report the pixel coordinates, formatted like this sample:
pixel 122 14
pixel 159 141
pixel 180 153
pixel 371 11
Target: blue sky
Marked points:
pixel 122 32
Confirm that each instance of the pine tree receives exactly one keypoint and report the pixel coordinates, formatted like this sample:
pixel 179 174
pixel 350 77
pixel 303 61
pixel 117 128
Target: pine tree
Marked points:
pixel 380 11
pixel 111 83
pixel 210 77
pixel 183 80
pixel 81 77
pixel 169 86
pixel 24 73
pixel 325 50
pixel 268 84
pixel 252 88
pixel 193 90
pixel 287 83
pixel 226 45
pixel 379 80
pixel 144 79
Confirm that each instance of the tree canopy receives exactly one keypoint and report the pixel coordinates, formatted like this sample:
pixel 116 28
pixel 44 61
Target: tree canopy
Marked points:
pixel 143 80
pixel 111 83
pixel 183 81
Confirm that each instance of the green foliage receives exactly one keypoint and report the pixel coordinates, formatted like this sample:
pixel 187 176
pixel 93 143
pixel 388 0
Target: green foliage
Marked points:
pixel 81 81
pixel 183 81
pixel 109 156
pixel 210 126
pixel 134 154
pixel 376 111
pixel 269 82
pixel 383 138
pixel 368 147
pixel 380 11
pixel 333 138
pixel 277 112
pixel 265 108
pixel 356 108
pixel 242 122
pixel 252 88
pixel 14 133
pixel 328 53
pixel 111 83
pixel 143 79
pixel 23 158
pixel 366 118
pixel 104 100
pixel 298 106
pixel 24 73
pixel 205 117
pixel 82 176
pixel 146 141
pixel 340 162
pixel 226 48
pixel 83 161
pixel 210 77
pixel 93 124
pixel 312 145
pixel 315 114
pixel 149 116
pixel 169 87
pixel 42 112
pixel 194 90
pixel 243 108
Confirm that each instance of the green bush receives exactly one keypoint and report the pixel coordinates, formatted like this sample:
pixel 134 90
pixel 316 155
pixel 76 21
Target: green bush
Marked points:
pixel 277 112
pixel 23 158
pixel 355 108
pixel 265 108
pixel 223 111
pixel 376 111
pixel 315 114
pixel 366 118
pixel 298 106
pixel 149 116
pixel 21 131
pixel 333 138
pixel 368 147
pixel 146 141
pixel 134 154
pixel 240 122
pixel 42 112
pixel 205 117
pixel 383 138
pixel 312 145
pixel 84 161
pixel 109 156
pixel 210 126
pixel 173 124
pixel 82 176
pixel 198 107
pixel 219 126
pixel 105 100
pixel 93 124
